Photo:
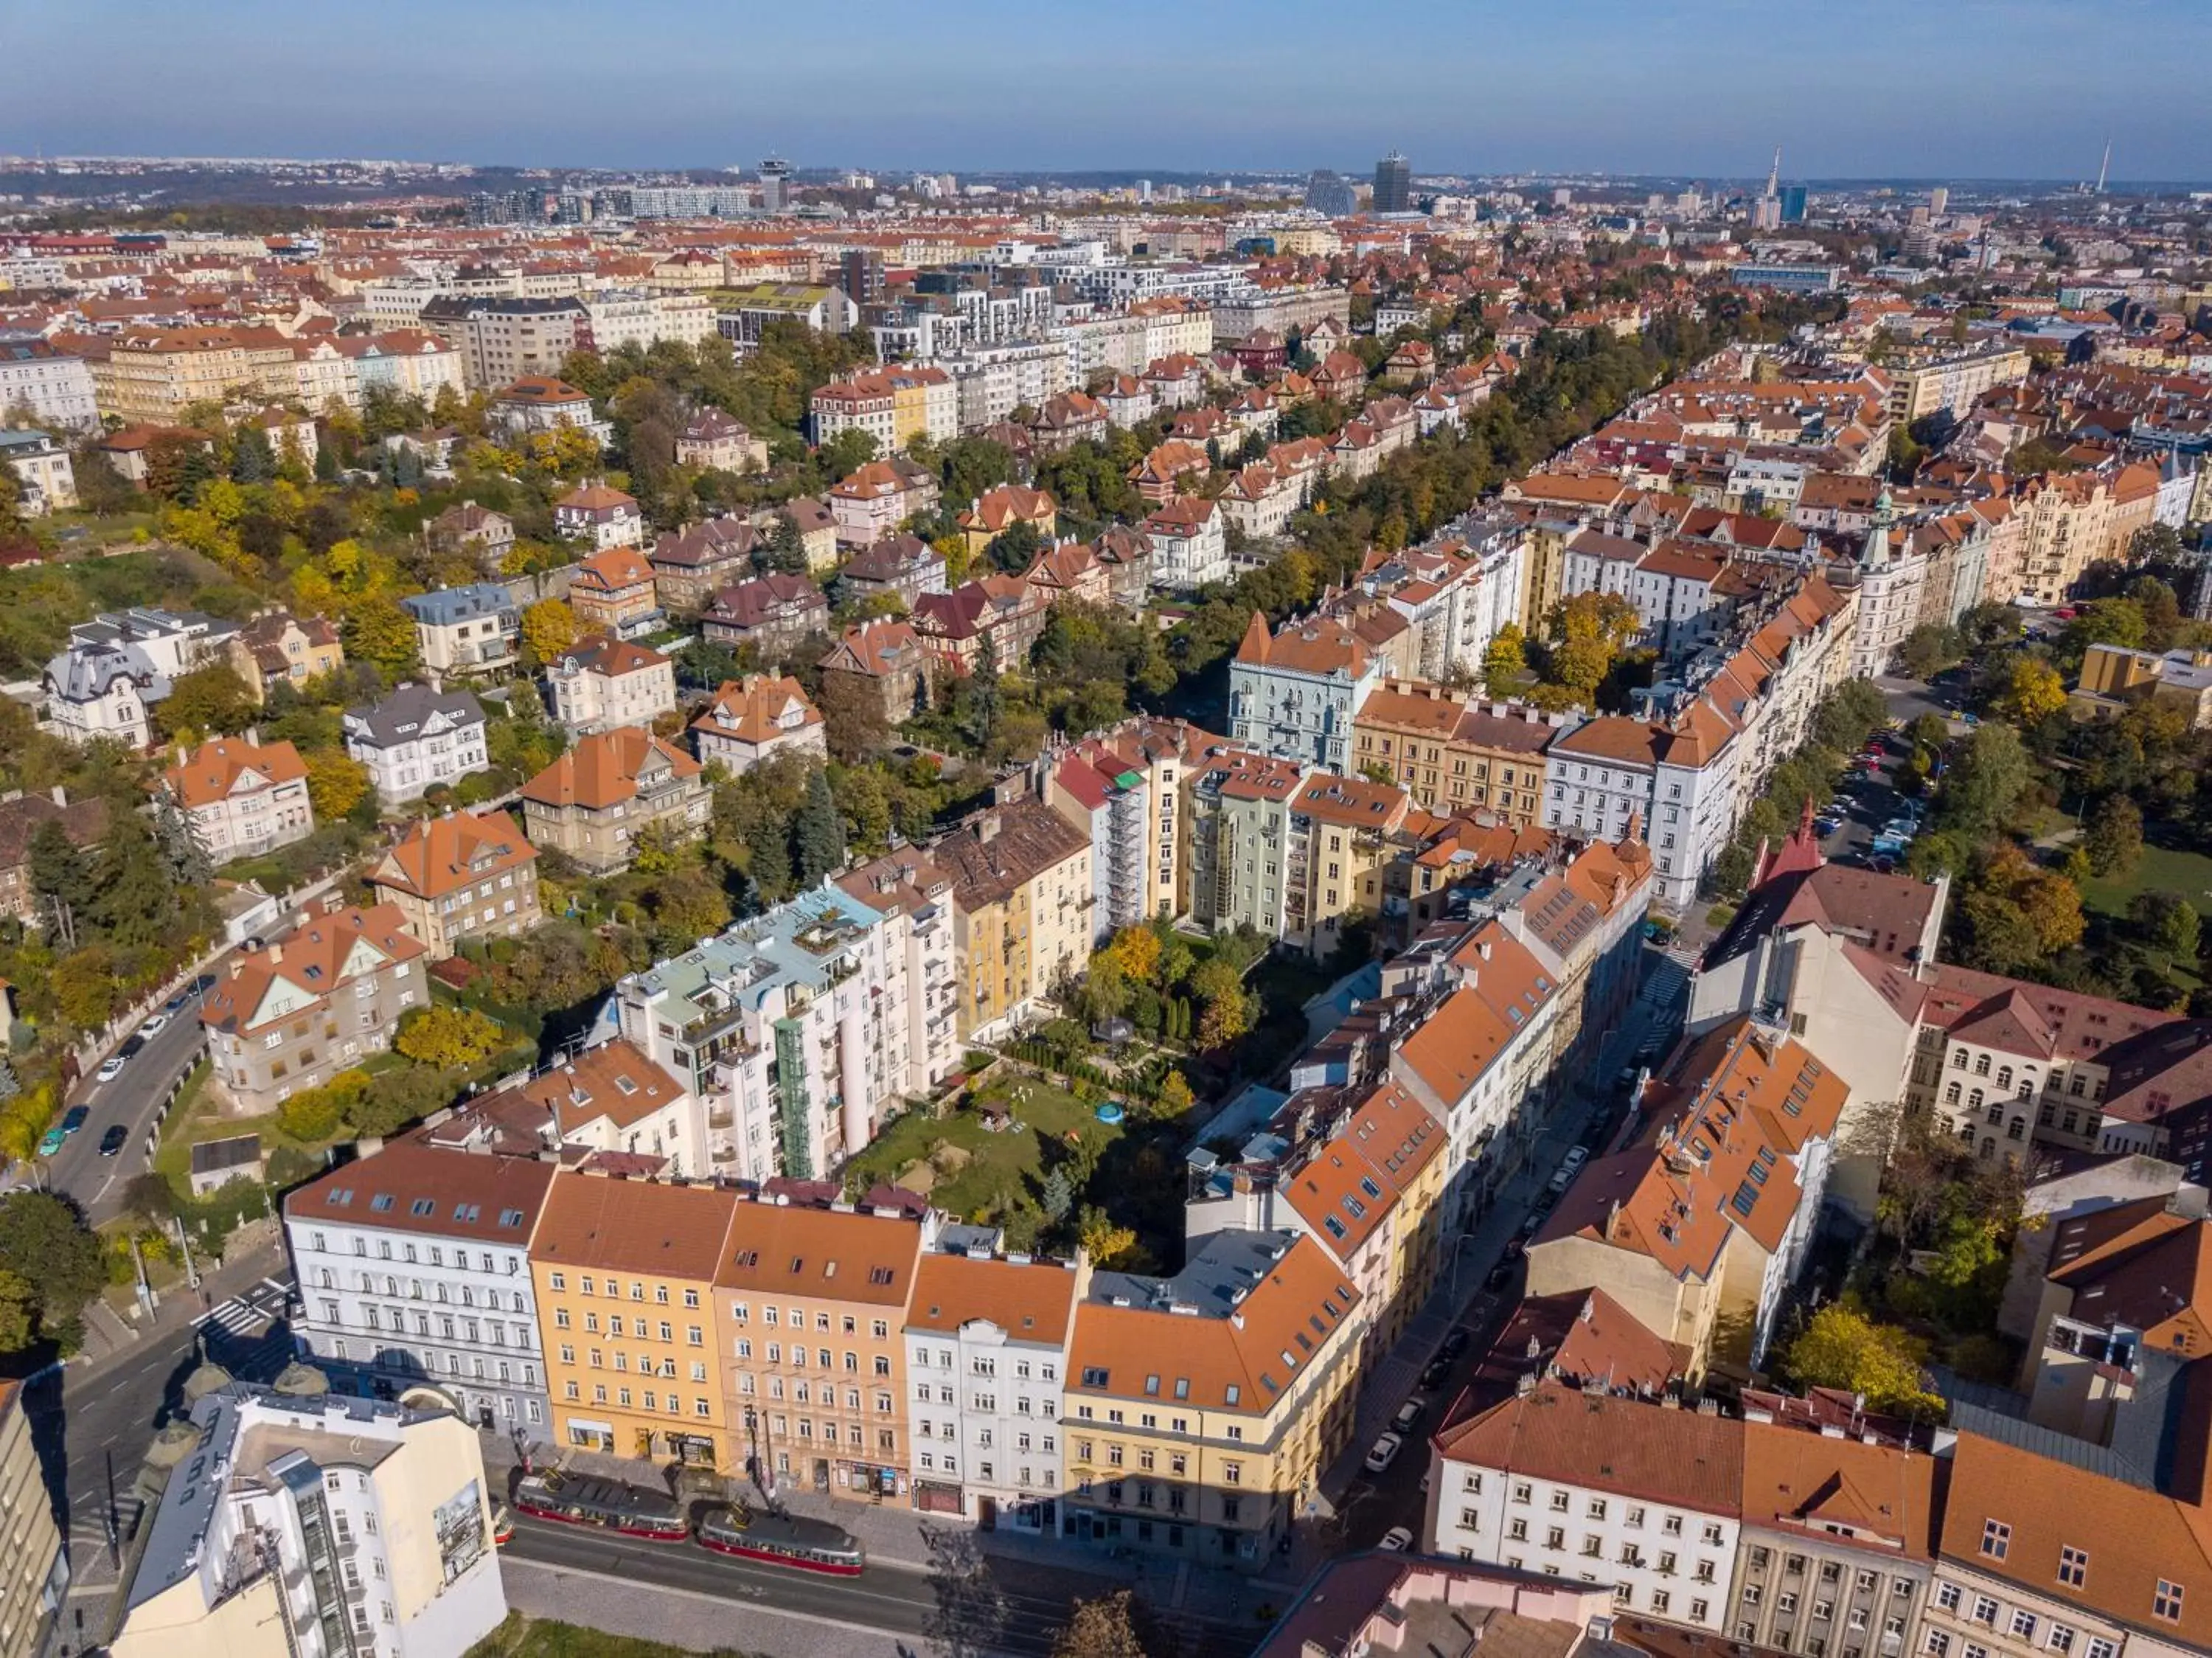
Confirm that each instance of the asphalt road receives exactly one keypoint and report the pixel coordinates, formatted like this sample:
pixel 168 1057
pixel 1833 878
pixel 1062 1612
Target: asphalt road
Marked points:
pixel 974 1603
pixel 97 1182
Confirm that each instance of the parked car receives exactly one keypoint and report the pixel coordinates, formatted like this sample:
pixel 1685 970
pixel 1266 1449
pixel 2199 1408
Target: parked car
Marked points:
pixel 1556 1187
pixel 154 1026
pixel 1408 1414
pixel 1575 1157
pixel 50 1140
pixel 1437 1371
pixel 73 1119
pixel 1383 1453
pixel 1455 1343
pixel 110 1068
pixel 1397 1540
pixel 111 1142
pixel 1498 1275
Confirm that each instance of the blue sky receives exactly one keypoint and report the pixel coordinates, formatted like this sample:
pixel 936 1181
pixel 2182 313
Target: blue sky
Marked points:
pixel 1934 88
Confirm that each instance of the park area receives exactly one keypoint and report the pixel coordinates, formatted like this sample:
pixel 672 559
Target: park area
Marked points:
pixel 1022 1152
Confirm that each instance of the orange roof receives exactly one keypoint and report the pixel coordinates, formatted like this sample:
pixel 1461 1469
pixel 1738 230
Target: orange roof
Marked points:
pixel 783 1250
pixel 615 1081
pixel 314 960
pixel 602 770
pixel 641 1227
pixel 755 709
pixel 1030 1300
pixel 444 855
pixel 230 765
pixel 615 570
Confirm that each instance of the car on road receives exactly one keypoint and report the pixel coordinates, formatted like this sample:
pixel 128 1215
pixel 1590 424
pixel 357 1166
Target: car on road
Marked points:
pixel 1409 1413
pixel 1455 1344
pixel 50 1140
pixel 176 1003
pixel 133 1047
pixel 1498 1275
pixel 110 1069
pixel 1437 1371
pixel 502 1526
pixel 1397 1540
pixel 111 1142
pixel 1575 1157
pixel 154 1026
pixel 1514 1245
pixel 1383 1453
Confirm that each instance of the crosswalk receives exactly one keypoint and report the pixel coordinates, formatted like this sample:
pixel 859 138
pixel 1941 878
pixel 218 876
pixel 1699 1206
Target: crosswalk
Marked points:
pixel 1669 978
pixel 247 1314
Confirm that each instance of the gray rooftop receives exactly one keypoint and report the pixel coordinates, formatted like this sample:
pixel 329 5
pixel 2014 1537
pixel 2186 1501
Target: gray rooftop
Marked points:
pixel 1213 1281
pixel 408 711
pixel 450 605
pixel 800 943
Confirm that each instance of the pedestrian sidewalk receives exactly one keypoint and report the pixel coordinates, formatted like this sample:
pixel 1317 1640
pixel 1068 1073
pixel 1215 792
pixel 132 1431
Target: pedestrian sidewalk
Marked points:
pixel 110 1338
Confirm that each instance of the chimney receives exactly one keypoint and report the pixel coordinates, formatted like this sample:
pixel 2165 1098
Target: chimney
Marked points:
pixel 61 794
pixel 275 954
pixel 253 736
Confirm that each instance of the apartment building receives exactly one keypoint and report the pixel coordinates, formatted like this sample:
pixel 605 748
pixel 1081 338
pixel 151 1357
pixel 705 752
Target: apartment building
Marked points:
pixel 1239 805
pixel 922 961
pixel 1294 694
pixel 294 1012
pixel 1163 755
pixel 101 691
pixel 45 481
pixel 715 441
pixel 611 1099
pixel 1188 538
pixel 1677 777
pixel 903 566
pixel 615 592
pixel 1700 1226
pixel 1454 752
pixel 986 1338
pixel 1200 1409
pixel 609 789
pixel 318 1526
pixel 466 630
pixel 1092 790
pixel 465 875
pixel 241 798
pixel 540 406
pixel 690 564
pixel 798 1028
pixel 414 1268
pixel 503 340
pixel 275 646
pixel 1951 382
pixel 869 502
pixel 600 517
pixel 415 740
pixel 749 720
pixel 810 1305
pixel 603 682
pixel 625 1272
pixel 1023 905
pixel 37 1573
pixel 55 386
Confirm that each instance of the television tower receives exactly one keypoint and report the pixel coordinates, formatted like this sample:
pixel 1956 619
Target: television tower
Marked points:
pixel 2104 167
pixel 1774 174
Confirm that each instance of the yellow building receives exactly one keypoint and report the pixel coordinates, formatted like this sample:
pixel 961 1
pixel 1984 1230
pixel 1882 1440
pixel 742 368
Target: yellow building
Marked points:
pixel 1201 1409
pixel 1456 752
pixel 34 1572
pixel 625 1272
pixel 151 376
pixel 1023 909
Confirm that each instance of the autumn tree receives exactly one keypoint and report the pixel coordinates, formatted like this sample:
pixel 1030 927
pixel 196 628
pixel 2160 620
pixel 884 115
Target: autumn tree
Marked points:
pixel 1506 663
pixel 2033 692
pixel 549 627
pixel 1840 1347
pixel 2115 837
pixel 337 783
pixel 1115 1625
pixel 379 632
pixel 448 1038
pixel 207 702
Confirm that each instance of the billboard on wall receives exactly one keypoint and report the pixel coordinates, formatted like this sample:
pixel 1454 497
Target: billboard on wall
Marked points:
pixel 460 1527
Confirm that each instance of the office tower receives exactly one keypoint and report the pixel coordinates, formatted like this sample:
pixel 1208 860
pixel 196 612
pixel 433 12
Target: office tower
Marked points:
pixel 1793 203
pixel 1331 193
pixel 860 274
pixel 1393 184
pixel 776 185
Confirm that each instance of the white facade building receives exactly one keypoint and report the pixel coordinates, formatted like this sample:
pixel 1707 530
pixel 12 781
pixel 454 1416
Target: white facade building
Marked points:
pixel 417 738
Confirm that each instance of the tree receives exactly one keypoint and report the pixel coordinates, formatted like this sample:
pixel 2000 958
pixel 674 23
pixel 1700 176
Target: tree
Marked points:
pixel 447 1038
pixel 252 459
pixel 337 783
pixel 1176 1097
pixel 852 721
pixel 1930 648
pixel 1137 950
pixel 1055 1195
pixel 1990 771
pixel 1113 1625
pixel 1840 1347
pixel 549 627
pixel 45 1242
pixel 2033 692
pixel 845 454
pixel 1015 548
pixel 1227 1012
pixel 210 701
pixel 2167 921
pixel 818 834
pixel 149 1197
pixel 2115 837
pixel 1106 1244
pixel 84 988
pixel 19 1310
pixel 1506 663
pixel 379 632
pixel 59 875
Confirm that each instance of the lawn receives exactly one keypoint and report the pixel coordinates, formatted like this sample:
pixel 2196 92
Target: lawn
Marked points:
pixel 543 1637
pixel 1001 1170
pixel 195 1118
pixel 2161 870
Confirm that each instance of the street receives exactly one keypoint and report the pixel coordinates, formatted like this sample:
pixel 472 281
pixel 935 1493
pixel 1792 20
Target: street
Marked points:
pixel 131 1099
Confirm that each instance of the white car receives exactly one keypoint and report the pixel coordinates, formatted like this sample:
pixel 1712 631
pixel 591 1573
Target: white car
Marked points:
pixel 1383 1453
pixel 1575 1157
pixel 1397 1540
pixel 154 1026
pixel 110 1069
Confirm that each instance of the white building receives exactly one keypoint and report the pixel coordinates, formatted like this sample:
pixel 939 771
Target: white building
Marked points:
pixel 414 1267
pixel 1676 777
pixel 985 1352
pixel 1189 544
pixel 318 1526
pixel 1293 694
pixel 102 691
pixel 417 738
pixel 45 481
pixel 57 387
pixel 605 682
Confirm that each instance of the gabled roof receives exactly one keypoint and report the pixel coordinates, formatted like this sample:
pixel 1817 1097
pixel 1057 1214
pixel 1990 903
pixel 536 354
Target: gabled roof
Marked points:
pixel 757 708
pixel 602 770
pixel 1681 1458
pixel 440 855
pixel 311 962
pixel 225 766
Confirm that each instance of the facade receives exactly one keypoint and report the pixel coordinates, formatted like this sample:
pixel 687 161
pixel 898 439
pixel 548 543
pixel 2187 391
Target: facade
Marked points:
pixel 1188 541
pixel 417 740
pixel 889 660
pixel 615 593
pixel 600 683
pixel 690 565
pixel 773 612
pixel 503 340
pixel 600 517
pixel 595 801
pixel 1676 776
pixel 1454 753
pixel 320 1527
pixel 57 387
pixel 872 502
pixel 464 527
pixel 466 875
pixel 414 1267
pixel 903 566
pixel 748 720
pixel 465 632
pixel 36 1573
pixel 715 441
pixel 44 480
pixel 1201 1409
pixel 1295 694
pixel 242 799
pixel 102 691
pixel 1022 903
pixel 276 646
pixel 294 1012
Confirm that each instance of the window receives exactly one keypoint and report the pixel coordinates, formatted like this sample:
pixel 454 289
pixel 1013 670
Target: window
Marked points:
pixel 1947 1596
pixel 2060 1639
pixel 2023 1625
pixel 2073 1566
pixel 1698 1611
pixel 1985 1611
pixel 2167 1602
pixel 1996 1538
pixel 1751 1592
pixel 1469 1521
pixel 1517 1531
pixel 2099 1647
pixel 1939 1645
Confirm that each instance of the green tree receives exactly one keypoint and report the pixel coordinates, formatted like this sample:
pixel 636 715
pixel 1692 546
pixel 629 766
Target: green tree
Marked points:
pixel 84 988
pixel 1990 771
pixel 207 702
pixel 1840 1347
pixel 252 459
pixel 845 454
pixel 45 1242
pixel 379 632
pixel 19 1310
pixel 818 834
pixel 1055 1195
pixel 2115 838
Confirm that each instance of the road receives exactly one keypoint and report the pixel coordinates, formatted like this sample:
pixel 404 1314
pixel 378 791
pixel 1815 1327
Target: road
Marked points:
pixel 97 1182
pixel 971 1602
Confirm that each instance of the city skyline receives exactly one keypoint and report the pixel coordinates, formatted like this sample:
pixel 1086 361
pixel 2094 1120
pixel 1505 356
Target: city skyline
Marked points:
pixel 1980 90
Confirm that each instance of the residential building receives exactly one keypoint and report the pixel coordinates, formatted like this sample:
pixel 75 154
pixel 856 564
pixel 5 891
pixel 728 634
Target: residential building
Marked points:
pixel 1700 1225
pixel 1379 1602
pixel 603 682
pixel 600 517
pixel 690 565
pixel 611 787
pixel 94 691
pixel 997 510
pixel 464 527
pixel 825 1414
pixel 748 720
pixel 1164 754
pixel 417 740
pixel 1092 790
pixel 275 646
pixel 922 964
pixel 889 658
pixel 872 501
pixel 1337 831
pixel 467 630
pixel 295 1012
pixel 902 566
pixel 319 1526
pixel 615 593
pixel 1294 693
pixel 1200 1409
pixel 84 821
pixel 44 480
pixel 414 1267
pixel 2114 678
pixel 37 1572
pixel 1235 827
pixel 774 612
pixel 1677 776
pixel 1456 753
pixel 55 386
pixel 240 798
pixel 986 1339
pixel 624 1275
pixel 800 1030
pixel 1189 543
pixel 503 340
pixel 1004 613
pixel 1023 905
pixel 464 876
pixel 541 406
